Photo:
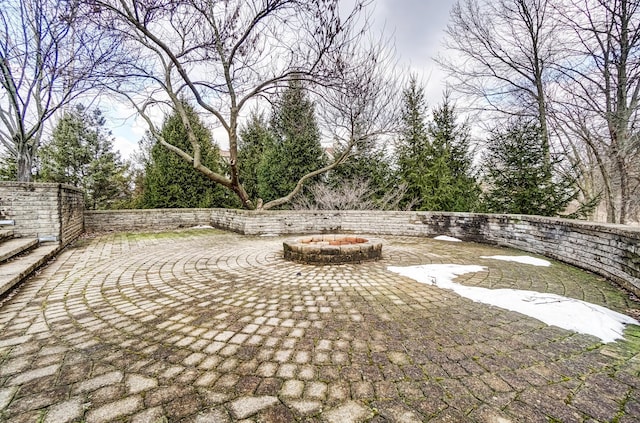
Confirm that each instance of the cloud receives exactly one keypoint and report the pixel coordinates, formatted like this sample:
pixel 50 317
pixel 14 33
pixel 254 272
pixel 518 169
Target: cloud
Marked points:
pixel 418 29
pixel 125 145
pixel 418 25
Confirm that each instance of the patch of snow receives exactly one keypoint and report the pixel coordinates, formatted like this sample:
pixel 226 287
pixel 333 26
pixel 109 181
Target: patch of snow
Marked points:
pixel 269 235
pixel 201 227
pixel 567 313
pixel 521 259
pixel 447 238
pixel 441 275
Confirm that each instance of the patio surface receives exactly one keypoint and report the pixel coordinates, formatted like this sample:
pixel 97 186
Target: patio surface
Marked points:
pixel 209 326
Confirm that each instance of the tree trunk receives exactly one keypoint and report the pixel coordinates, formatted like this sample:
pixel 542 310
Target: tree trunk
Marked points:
pixel 610 201
pixel 609 196
pixel 624 197
pixel 24 163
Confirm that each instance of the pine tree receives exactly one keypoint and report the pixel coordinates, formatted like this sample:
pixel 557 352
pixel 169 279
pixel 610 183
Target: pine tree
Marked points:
pixel 255 140
pixel 434 159
pixel 296 150
pixel 413 146
pixel 8 167
pixel 170 182
pixel 81 154
pixel 519 175
pixel 449 180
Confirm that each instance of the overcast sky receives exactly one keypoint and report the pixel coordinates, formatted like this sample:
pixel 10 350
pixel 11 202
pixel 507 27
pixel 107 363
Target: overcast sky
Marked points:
pixel 417 28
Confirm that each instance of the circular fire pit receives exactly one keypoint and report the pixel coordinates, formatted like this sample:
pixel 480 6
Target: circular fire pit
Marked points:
pixel 332 249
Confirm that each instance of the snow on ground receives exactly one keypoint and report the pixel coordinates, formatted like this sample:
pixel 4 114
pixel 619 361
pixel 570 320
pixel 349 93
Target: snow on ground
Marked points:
pixel 521 259
pixel 447 238
pixel 552 309
pixel 201 227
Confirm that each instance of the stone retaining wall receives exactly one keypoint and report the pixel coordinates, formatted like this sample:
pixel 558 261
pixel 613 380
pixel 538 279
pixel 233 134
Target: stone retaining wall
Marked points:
pixel 44 210
pixel 71 215
pixel 612 251
pixel 155 219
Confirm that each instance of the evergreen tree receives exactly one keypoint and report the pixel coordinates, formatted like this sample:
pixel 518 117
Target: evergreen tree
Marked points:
pixel 296 150
pixel 434 159
pixel 519 175
pixel 413 146
pixel 255 140
pixel 140 162
pixel 449 182
pixel 81 154
pixel 170 182
pixel 8 167
pixel 368 164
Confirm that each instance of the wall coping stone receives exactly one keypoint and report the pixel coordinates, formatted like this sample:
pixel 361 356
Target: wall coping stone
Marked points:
pixel 33 185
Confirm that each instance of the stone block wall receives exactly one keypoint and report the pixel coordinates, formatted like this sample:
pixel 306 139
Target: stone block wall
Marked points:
pixel 44 210
pixel 612 251
pixel 147 219
pixel 71 206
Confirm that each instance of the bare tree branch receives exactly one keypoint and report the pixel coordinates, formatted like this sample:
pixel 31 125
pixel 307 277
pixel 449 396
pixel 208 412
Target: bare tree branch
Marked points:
pixel 501 53
pixel 49 56
pixel 601 93
pixel 224 55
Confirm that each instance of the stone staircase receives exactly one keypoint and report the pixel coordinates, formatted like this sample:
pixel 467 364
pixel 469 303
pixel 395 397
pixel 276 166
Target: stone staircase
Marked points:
pixel 20 257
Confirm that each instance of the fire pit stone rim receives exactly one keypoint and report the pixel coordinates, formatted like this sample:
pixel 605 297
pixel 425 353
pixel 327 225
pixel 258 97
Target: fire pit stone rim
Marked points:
pixel 332 249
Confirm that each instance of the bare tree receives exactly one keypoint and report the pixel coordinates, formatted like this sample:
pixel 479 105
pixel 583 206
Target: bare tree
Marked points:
pixel 601 100
pixel 500 52
pixel 353 194
pixel 580 162
pixel 47 59
pixel 227 55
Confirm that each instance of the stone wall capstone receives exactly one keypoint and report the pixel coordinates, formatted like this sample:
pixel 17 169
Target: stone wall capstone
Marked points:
pixel 47 211
pixel 612 251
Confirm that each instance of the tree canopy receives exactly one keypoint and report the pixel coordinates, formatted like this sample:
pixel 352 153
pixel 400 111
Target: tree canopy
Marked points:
pixel 572 67
pixel 49 57
pixel 518 176
pixel 223 56
pixel 256 139
pixel 450 178
pixel 296 149
pixel 170 182
pixel 434 158
pixel 80 153
pixel 413 144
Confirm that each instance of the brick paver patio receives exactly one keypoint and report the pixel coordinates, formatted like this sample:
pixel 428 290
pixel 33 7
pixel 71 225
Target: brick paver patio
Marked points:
pixel 207 326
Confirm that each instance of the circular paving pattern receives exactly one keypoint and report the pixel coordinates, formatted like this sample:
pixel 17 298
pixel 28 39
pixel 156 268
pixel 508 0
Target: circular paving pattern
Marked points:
pixel 210 326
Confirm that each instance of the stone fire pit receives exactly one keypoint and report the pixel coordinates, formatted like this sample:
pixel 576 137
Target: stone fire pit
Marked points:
pixel 332 249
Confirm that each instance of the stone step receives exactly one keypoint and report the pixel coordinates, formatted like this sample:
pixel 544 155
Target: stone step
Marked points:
pixel 6 234
pixel 15 271
pixel 15 246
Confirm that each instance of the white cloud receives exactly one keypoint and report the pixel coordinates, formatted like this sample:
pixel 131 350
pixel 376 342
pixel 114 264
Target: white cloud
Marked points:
pixel 125 145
